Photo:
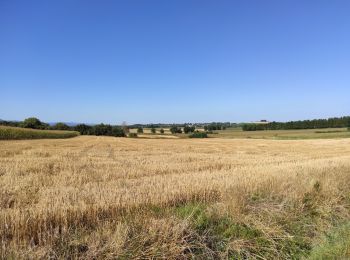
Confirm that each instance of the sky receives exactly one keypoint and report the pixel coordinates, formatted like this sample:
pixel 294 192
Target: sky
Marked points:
pixel 156 61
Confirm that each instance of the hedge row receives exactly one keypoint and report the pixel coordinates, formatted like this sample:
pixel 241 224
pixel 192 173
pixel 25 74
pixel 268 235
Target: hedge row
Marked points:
pixel 16 133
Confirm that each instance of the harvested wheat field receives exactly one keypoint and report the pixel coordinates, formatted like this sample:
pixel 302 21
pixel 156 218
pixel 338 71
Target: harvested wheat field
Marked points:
pixel 118 198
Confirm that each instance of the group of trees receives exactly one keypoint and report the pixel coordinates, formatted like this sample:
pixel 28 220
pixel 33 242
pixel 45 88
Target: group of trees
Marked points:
pixel 149 125
pixel 334 122
pixel 113 130
pixel 153 130
pixel 209 126
pixel 175 129
pixel 189 129
pixel 35 123
pixel 216 126
pixel 254 127
pixel 31 122
pixel 186 129
pixel 101 129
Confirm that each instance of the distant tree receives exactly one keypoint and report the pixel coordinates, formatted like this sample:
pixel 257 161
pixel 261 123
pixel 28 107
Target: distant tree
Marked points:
pixel 189 129
pixel 162 131
pixel 140 130
pixel 153 130
pixel 61 126
pixel 83 129
pixel 102 129
pixel 35 123
pixel 175 130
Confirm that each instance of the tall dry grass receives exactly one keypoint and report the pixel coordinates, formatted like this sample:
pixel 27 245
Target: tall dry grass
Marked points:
pixel 103 197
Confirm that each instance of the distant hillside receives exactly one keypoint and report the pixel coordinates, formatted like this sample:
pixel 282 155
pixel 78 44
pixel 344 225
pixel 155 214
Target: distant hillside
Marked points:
pixel 67 123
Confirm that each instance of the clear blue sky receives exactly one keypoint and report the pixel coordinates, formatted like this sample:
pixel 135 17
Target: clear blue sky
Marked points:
pixel 143 61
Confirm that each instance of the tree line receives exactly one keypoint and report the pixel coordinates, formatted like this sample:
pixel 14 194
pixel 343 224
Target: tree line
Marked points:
pixel 217 126
pixel 209 126
pixel 102 129
pixel 83 129
pixel 99 129
pixel 334 122
pixel 120 131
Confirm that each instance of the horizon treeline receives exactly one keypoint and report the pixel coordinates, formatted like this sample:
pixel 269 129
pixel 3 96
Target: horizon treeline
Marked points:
pixel 334 122
pixel 209 126
pixel 123 130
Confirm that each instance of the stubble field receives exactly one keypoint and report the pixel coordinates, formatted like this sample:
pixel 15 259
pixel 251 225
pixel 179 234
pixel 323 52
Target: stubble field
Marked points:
pixel 118 198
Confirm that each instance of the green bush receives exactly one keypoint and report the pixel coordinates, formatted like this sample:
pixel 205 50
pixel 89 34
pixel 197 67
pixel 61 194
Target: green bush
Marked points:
pixel 161 131
pixel 198 135
pixel 175 130
pixel 132 135
pixel 189 129
pixel 140 130
pixel 153 130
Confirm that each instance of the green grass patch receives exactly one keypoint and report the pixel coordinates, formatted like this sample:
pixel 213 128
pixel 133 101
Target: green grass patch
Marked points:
pixel 334 245
pixel 17 133
pixel 296 230
pixel 132 135
pixel 238 240
pixel 198 135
